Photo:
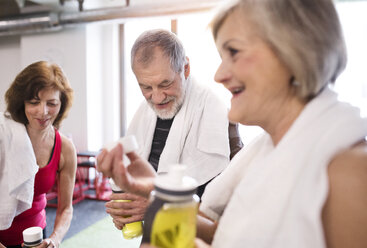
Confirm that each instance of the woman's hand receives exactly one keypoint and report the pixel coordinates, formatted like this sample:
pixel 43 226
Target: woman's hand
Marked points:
pixel 136 178
pixel 48 243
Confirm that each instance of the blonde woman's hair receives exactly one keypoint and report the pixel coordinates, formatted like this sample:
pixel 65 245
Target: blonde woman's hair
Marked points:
pixel 305 35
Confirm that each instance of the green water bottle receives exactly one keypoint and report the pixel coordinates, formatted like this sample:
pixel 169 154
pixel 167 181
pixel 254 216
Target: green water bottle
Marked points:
pixel 170 220
pixel 130 230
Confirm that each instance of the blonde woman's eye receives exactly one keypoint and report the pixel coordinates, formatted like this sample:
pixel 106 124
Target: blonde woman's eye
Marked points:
pixel 232 51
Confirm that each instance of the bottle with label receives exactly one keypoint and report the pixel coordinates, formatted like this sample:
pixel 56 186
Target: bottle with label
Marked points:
pixel 129 144
pixel 170 220
pixel 130 230
pixel 32 236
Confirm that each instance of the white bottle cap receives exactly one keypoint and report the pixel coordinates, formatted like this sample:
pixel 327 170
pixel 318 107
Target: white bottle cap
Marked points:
pixel 129 144
pixel 114 187
pixel 176 180
pixel 32 236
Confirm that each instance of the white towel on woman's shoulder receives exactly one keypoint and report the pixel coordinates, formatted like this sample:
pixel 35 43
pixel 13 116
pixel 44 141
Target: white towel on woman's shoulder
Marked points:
pixel 198 136
pixel 18 168
pixel 273 196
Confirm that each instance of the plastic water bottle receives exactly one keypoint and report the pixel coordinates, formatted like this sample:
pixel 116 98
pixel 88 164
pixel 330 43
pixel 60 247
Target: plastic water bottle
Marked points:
pixel 134 229
pixel 170 220
pixel 130 230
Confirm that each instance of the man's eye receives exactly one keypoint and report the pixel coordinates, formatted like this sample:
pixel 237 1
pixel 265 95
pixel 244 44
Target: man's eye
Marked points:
pixel 145 87
pixel 166 85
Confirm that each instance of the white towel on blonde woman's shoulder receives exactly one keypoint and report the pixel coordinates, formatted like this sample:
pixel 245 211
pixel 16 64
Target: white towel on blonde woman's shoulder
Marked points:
pixel 198 136
pixel 18 168
pixel 273 196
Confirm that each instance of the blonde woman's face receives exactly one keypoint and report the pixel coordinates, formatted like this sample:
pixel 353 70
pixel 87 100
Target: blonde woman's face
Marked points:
pixel 250 70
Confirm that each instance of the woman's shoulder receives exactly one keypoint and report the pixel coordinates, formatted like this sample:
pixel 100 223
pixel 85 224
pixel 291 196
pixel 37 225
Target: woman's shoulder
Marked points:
pixel 68 151
pixel 353 158
pixel 350 166
pixel 67 144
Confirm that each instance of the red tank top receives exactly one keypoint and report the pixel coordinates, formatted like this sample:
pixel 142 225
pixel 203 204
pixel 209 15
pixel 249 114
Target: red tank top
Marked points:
pixel 36 215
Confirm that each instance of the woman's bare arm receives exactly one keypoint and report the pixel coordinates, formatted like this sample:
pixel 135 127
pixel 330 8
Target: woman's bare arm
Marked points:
pixel 67 172
pixel 345 212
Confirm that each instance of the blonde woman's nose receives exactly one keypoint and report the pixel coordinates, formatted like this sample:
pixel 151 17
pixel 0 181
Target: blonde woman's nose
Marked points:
pixel 222 74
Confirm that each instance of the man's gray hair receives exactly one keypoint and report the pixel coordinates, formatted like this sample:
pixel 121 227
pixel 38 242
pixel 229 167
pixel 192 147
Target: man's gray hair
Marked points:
pixel 305 35
pixel 144 48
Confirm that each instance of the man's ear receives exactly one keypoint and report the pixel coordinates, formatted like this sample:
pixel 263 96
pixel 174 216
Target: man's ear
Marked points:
pixel 187 68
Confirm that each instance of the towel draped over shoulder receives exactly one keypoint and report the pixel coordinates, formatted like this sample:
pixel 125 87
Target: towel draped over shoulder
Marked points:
pixel 18 168
pixel 198 136
pixel 273 196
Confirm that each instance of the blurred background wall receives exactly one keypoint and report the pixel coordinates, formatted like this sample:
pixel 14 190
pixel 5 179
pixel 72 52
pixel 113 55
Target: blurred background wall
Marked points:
pixel 91 41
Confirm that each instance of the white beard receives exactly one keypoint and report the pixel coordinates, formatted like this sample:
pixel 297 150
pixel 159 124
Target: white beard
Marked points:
pixel 166 114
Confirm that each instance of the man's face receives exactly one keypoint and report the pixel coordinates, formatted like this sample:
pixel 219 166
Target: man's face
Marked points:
pixel 163 88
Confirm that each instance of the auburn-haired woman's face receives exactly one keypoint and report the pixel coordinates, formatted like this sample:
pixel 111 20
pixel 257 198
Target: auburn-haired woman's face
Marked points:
pixel 42 111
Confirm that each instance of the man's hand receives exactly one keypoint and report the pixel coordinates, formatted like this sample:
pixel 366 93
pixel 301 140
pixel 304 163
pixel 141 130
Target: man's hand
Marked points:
pixel 125 208
pixel 136 178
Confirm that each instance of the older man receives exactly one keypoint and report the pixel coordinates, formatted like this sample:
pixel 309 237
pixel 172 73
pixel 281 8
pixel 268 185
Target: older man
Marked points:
pixel 180 122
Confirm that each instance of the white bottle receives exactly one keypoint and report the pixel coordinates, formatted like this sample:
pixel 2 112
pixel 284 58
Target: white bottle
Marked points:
pixel 32 236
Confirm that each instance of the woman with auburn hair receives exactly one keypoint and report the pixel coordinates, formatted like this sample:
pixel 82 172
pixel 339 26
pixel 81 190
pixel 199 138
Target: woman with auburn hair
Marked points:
pixel 40 98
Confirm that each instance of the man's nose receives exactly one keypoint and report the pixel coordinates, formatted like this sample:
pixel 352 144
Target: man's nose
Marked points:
pixel 158 96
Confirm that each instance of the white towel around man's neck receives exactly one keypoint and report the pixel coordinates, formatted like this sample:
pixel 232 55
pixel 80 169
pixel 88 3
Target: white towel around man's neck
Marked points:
pixel 198 136
pixel 273 196
pixel 18 168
